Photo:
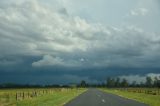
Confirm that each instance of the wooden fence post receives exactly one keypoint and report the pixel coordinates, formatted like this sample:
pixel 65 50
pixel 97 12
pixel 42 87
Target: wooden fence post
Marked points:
pixel 16 96
pixel 23 95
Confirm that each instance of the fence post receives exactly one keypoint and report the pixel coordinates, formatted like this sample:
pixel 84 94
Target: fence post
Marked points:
pixel 23 95
pixel 35 93
pixel 16 96
pixel 28 94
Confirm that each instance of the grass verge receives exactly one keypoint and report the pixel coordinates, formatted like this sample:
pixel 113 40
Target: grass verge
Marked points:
pixel 57 98
pixel 151 100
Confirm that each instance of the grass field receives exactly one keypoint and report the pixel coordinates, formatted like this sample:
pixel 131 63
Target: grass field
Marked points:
pixel 44 97
pixel 151 100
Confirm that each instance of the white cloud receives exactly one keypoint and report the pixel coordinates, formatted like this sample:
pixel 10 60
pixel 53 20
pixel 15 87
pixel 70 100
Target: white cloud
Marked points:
pixel 48 61
pixel 139 12
pixel 82 59
pixel 139 78
pixel 153 75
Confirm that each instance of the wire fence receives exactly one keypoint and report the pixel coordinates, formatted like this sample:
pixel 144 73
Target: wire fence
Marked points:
pixel 18 95
pixel 150 91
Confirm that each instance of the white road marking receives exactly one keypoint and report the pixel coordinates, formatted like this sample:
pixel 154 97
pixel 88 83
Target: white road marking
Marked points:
pixel 103 101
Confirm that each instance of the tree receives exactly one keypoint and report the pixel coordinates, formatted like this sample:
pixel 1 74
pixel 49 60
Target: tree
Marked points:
pixel 83 83
pixel 117 82
pixel 134 84
pixel 149 81
pixel 155 84
pixel 110 82
pixel 158 83
pixel 124 83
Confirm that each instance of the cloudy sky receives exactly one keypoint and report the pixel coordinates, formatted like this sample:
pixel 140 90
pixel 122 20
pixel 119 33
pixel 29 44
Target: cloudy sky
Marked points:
pixel 66 41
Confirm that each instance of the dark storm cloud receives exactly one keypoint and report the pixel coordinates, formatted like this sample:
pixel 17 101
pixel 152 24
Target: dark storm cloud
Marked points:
pixel 30 28
pixel 59 75
pixel 37 40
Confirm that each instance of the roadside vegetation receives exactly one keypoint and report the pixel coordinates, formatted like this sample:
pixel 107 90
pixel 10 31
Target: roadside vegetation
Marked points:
pixel 138 94
pixel 146 92
pixel 38 96
pixel 56 95
pixel 122 83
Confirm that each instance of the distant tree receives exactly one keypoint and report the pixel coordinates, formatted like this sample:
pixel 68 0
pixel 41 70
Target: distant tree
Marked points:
pixel 158 83
pixel 117 82
pixel 124 83
pixel 134 84
pixel 110 82
pixel 102 85
pixel 142 84
pixel 149 81
pixel 83 83
pixel 155 84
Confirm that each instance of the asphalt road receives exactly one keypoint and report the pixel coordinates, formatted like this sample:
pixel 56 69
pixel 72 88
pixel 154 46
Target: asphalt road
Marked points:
pixel 95 97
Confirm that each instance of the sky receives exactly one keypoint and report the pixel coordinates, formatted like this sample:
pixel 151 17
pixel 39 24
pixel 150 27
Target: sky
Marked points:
pixel 66 41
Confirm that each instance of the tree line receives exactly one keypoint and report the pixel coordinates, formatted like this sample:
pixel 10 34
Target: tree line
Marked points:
pixel 120 83
pixel 13 85
pixel 117 82
pixel 110 83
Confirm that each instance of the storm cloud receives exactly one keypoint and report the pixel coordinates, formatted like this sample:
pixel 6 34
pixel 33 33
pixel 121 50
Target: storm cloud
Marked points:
pixel 35 35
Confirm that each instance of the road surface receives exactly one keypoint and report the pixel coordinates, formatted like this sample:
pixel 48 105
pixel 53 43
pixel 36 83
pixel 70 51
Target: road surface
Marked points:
pixel 95 97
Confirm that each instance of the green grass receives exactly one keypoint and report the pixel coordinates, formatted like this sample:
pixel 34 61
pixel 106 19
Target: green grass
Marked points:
pixel 56 98
pixel 151 100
